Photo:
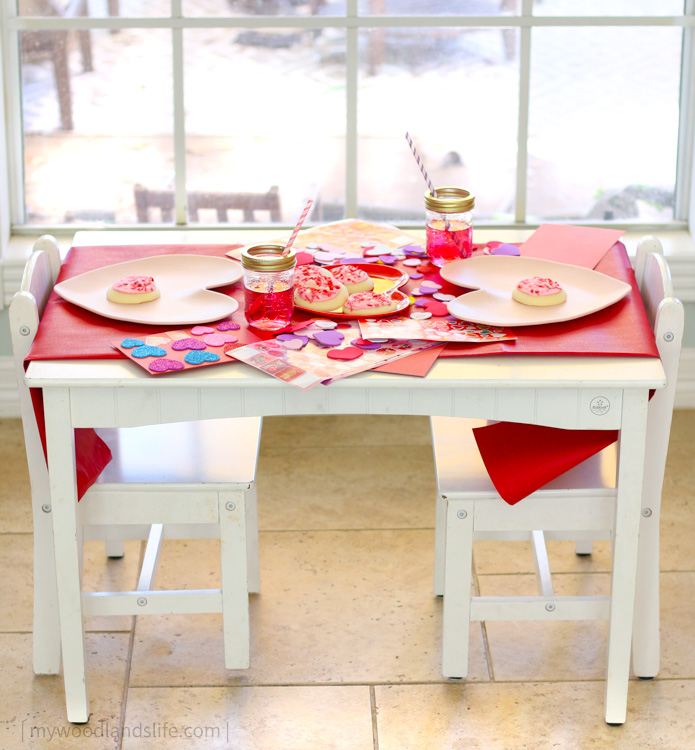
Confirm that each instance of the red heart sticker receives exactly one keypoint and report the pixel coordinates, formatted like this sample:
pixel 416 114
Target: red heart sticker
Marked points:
pixel 438 309
pixel 303 259
pixel 349 352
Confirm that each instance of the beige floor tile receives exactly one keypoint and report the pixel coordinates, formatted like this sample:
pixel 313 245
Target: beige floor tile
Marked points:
pixel 345 430
pixel 334 607
pixel 677 527
pixel 252 718
pixel 558 650
pixel 15 493
pixel 363 487
pixel 16 590
pixel 532 716
pixel 33 708
pixel 677 593
pixel 683 426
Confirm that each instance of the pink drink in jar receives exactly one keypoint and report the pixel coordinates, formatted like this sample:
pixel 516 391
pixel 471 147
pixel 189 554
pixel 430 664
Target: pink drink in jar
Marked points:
pixel 269 310
pixel 447 244
pixel 449 224
pixel 268 286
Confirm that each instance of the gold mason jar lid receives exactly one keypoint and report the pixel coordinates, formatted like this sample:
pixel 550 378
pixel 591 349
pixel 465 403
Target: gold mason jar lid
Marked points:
pixel 267 258
pixel 450 200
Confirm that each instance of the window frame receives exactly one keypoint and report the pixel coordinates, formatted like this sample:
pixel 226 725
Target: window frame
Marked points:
pixel 12 216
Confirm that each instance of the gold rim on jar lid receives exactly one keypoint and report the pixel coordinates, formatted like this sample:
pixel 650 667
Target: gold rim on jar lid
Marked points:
pixel 267 258
pixel 450 200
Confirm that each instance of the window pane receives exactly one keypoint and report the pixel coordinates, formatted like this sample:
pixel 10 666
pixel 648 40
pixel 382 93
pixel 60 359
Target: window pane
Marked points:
pixel 436 7
pixel 260 115
pixel 603 126
pixel 229 8
pixel 612 8
pixel 110 128
pixel 456 93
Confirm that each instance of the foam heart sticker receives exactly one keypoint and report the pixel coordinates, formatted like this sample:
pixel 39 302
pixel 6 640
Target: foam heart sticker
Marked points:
pixel 295 345
pixel 198 358
pixel 156 340
pixel 438 309
pixel 164 365
pixel 389 260
pixel 218 339
pixel 198 330
pixel 349 352
pixel 131 343
pixel 178 335
pixel 290 341
pixel 187 343
pixel 414 250
pixel 303 259
pixel 228 325
pixel 148 351
pixel 328 338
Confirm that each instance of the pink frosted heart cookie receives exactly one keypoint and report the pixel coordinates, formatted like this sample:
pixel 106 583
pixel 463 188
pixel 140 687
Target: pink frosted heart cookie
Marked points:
pixel 320 293
pixel 133 290
pixel 354 278
pixel 539 292
pixel 368 303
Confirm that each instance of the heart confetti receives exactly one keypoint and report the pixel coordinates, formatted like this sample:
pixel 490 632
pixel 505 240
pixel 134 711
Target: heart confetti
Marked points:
pixel 187 343
pixel 197 358
pixel 327 325
pixel 329 338
pixel 349 352
pixel 157 340
pixel 420 315
pixel 164 365
pixel 303 259
pixel 198 330
pixel 366 344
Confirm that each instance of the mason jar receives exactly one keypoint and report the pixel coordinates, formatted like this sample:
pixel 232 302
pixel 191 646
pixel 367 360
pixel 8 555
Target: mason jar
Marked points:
pixel 268 286
pixel 449 227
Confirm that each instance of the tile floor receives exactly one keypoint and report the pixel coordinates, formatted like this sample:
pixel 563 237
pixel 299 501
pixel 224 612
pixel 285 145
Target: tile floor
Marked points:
pixel 345 632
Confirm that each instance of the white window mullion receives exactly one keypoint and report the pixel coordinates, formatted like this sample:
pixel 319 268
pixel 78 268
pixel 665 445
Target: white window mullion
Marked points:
pixel 524 97
pixel 684 208
pixel 179 118
pixel 352 62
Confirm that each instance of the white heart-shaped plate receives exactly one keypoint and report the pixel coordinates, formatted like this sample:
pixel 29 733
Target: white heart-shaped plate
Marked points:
pixel 184 283
pixel 494 278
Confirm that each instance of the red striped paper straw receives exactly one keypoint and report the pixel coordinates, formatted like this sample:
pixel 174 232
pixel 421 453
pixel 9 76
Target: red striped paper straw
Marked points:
pixel 298 227
pixel 421 165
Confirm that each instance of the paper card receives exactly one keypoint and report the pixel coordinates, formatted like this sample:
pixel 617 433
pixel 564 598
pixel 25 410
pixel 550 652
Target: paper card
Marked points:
pixel 312 364
pixel 432 329
pixel 183 349
pixel 416 365
pixel 578 246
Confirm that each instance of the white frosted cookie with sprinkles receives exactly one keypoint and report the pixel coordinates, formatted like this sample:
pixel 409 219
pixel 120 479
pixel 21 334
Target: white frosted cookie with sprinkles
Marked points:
pixel 320 293
pixel 354 278
pixel 369 303
pixel 133 290
pixel 539 292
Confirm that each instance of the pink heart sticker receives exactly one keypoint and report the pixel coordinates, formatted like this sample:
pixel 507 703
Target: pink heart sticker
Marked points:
pixel 218 339
pixel 349 352
pixel 198 330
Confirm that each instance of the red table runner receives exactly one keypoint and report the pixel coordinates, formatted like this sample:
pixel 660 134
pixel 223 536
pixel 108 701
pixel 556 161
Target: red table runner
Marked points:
pixel 68 331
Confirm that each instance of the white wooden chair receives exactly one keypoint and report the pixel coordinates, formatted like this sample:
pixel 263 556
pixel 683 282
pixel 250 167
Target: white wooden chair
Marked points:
pixel 180 480
pixel 579 505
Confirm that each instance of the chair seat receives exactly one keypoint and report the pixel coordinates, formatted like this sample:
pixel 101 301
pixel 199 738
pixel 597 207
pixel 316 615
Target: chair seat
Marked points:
pixel 225 450
pixel 460 467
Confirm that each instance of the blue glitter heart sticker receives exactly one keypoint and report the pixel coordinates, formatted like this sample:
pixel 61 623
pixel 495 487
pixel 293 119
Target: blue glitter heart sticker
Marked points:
pixel 148 351
pixel 197 358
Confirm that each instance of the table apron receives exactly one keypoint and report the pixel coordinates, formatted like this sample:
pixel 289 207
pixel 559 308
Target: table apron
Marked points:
pixel 570 408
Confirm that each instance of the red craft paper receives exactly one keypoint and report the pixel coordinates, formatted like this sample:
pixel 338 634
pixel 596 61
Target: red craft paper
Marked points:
pixel 562 243
pixel 522 458
pixel 417 365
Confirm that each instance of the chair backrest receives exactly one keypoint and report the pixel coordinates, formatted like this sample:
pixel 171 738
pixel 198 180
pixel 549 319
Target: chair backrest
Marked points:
pixel 26 309
pixel 249 203
pixel 667 317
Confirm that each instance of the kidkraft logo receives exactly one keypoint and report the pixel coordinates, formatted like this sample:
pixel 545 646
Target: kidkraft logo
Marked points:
pixel 600 406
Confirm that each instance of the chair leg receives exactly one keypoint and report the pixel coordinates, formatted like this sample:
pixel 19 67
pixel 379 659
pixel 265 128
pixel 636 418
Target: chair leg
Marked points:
pixel 439 544
pixel 583 547
pixel 253 564
pixel 235 598
pixel 457 587
pixel 46 629
pixel 646 640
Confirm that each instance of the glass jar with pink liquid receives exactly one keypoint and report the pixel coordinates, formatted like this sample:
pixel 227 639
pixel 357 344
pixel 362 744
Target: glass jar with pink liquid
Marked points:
pixel 268 286
pixel 449 224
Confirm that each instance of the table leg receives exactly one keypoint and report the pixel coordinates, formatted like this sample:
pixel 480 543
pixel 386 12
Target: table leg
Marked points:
pixel 61 467
pixel 625 549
